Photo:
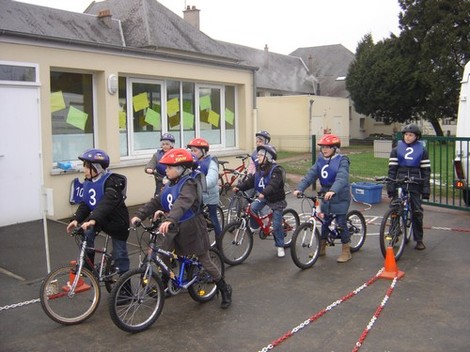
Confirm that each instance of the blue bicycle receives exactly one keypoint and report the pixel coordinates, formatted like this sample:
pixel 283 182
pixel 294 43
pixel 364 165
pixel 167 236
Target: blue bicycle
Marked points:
pixel 137 299
pixel 396 228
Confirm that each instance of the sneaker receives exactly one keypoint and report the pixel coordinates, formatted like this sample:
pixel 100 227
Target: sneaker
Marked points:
pixel 420 246
pixel 280 252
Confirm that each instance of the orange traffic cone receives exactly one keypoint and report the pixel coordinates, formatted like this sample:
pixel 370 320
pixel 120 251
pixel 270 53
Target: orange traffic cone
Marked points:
pixel 390 266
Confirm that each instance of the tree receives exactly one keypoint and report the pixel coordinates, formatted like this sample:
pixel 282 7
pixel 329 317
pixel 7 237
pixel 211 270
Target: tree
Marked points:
pixel 416 75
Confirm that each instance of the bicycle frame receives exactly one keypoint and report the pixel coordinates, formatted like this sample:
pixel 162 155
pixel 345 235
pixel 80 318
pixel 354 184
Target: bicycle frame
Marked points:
pixel 323 219
pixel 240 171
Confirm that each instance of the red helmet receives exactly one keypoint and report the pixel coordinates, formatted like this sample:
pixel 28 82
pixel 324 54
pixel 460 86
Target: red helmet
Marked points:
pixel 179 156
pixel 331 140
pixel 200 143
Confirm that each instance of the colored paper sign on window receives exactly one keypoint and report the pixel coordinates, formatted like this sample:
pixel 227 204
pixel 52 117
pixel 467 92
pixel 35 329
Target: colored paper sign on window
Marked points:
pixel 140 101
pixel 213 118
pixel 122 120
pixel 205 102
pixel 188 106
pixel 174 121
pixel 229 116
pixel 57 101
pixel 188 121
pixel 204 116
pixel 172 107
pixel 153 118
pixel 77 118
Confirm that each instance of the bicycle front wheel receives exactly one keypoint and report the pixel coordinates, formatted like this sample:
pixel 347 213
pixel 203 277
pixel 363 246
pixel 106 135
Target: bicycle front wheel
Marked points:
pixel 392 233
pixel 136 300
pixel 67 307
pixel 305 248
pixel 357 229
pixel 204 289
pixel 409 226
pixel 234 209
pixel 236 242
pixel 290 222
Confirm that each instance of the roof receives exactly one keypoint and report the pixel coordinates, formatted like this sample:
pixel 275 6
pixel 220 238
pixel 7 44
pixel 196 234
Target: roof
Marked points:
pixel 329 64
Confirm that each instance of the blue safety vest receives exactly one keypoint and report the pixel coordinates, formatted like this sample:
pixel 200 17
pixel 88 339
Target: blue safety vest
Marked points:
pixel 261 181
pixel 169 194
pixel 410 155
pixel 327 170
pixel 94 191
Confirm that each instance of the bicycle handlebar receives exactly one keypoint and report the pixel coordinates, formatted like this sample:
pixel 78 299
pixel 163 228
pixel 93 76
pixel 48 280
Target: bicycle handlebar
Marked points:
pixel 405 180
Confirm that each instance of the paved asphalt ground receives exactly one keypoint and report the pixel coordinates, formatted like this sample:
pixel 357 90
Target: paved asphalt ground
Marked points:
pixel 428 309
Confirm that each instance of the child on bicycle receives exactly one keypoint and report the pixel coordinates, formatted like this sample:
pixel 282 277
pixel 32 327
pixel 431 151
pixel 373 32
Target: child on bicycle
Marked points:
pixel 167 142
pixel 209 166
pixel 332 170
pixel 102 207
pixel 410 159
pixel 268 182
pixel 262 138
pixel 184 228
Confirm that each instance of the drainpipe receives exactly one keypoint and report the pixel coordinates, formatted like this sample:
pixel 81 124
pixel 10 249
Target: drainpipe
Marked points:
pixel 311 101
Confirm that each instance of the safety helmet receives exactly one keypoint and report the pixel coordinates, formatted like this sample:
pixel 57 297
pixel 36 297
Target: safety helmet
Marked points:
pixel 265 135
pixel 95 156
pixel 331 140
pixel 167 137
pixel 177 157
pixel 269 149
pixel 200 143
pixel 413 129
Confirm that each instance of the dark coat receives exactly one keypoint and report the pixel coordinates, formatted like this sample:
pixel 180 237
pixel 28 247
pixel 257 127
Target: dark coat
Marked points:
pixel 191 236
pixel 274 191
pixel 111 214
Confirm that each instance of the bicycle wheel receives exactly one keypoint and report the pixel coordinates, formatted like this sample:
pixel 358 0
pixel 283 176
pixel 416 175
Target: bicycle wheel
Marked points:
pixel 392 233
pixel 357 229
pixel 204 289
pixel 63 306
pixel 235 207
pixel 236 242
pixel 305 248
pixel 409 226
pixel 290 222
pixel 136 300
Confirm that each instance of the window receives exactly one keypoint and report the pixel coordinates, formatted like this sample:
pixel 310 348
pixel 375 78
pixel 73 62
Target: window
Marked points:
pixel 18 73
pixel 72 114
pixel 148 108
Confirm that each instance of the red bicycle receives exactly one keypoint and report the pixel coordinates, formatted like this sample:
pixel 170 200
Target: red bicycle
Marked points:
pixel 236 240
pixel 227 177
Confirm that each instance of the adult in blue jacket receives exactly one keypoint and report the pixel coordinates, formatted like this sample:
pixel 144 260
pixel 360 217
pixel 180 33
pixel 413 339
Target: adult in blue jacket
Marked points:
pixel 332 170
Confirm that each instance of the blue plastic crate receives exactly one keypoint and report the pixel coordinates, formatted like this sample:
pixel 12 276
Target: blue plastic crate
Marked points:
pixel 366 192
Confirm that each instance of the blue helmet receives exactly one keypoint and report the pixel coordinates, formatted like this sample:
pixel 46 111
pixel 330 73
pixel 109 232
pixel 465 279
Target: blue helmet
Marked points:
pixel 269 149
pixel 96 156
pixel 167 137
pixel 265 135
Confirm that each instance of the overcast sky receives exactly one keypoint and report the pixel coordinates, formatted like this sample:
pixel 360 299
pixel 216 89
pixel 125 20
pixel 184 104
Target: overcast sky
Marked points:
pixel 283 25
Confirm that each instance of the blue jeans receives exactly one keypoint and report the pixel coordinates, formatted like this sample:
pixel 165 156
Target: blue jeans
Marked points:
pixel 119 253
pixel 215 220
pixel 278 232
pixel 341 222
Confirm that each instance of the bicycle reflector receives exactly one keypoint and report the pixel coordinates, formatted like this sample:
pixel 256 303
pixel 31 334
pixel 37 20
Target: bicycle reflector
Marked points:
pixel 459 183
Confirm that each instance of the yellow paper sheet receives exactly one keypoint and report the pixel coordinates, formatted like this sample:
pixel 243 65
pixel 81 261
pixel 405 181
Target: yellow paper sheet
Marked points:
pixel 172 107
pixel 140 101
pixel 122 120
pixel 188 121
pixel 77 118
pixel 57 101
pixel 229 116
pixel 205 103
pixel 214 118
pixel 153 118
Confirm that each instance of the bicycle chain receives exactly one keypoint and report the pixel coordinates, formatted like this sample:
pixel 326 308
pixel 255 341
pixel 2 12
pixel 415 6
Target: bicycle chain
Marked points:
pixel 16 305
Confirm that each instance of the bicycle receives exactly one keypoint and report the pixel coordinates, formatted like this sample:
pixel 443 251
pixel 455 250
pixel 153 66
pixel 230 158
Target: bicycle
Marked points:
pixel 305 247
pixel 210 225
pixel 137 299
pixel 227 177
pixel 236 240
pixel 396 227
pixel 70 294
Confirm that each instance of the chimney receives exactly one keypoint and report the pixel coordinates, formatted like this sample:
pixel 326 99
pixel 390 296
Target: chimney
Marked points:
pixel 191 15
pixel 310 63
pixel 266 55
pixel 105 16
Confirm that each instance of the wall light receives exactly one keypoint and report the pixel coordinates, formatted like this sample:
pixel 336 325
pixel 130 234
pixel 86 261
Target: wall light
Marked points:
pixel 112 84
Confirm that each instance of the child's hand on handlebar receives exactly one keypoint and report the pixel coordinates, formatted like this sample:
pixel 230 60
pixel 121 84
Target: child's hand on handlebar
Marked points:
pixel 329 195
pixel 158 215
pixel 165 227
pixel 73 224
pixel 297 193
pixel 136 221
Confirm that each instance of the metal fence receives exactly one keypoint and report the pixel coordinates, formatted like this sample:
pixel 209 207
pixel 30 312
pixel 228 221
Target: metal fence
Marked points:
pixel 442 152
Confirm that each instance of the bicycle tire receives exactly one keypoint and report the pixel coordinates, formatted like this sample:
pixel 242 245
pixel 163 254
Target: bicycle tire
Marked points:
pixel 290 222
pixel 392 233
pixel 357 229
pixel 69 309
pixel 236 243
pixel 409 223
pixel 235 207
pixel 204 289
pixel 137 310
pixel 305 248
